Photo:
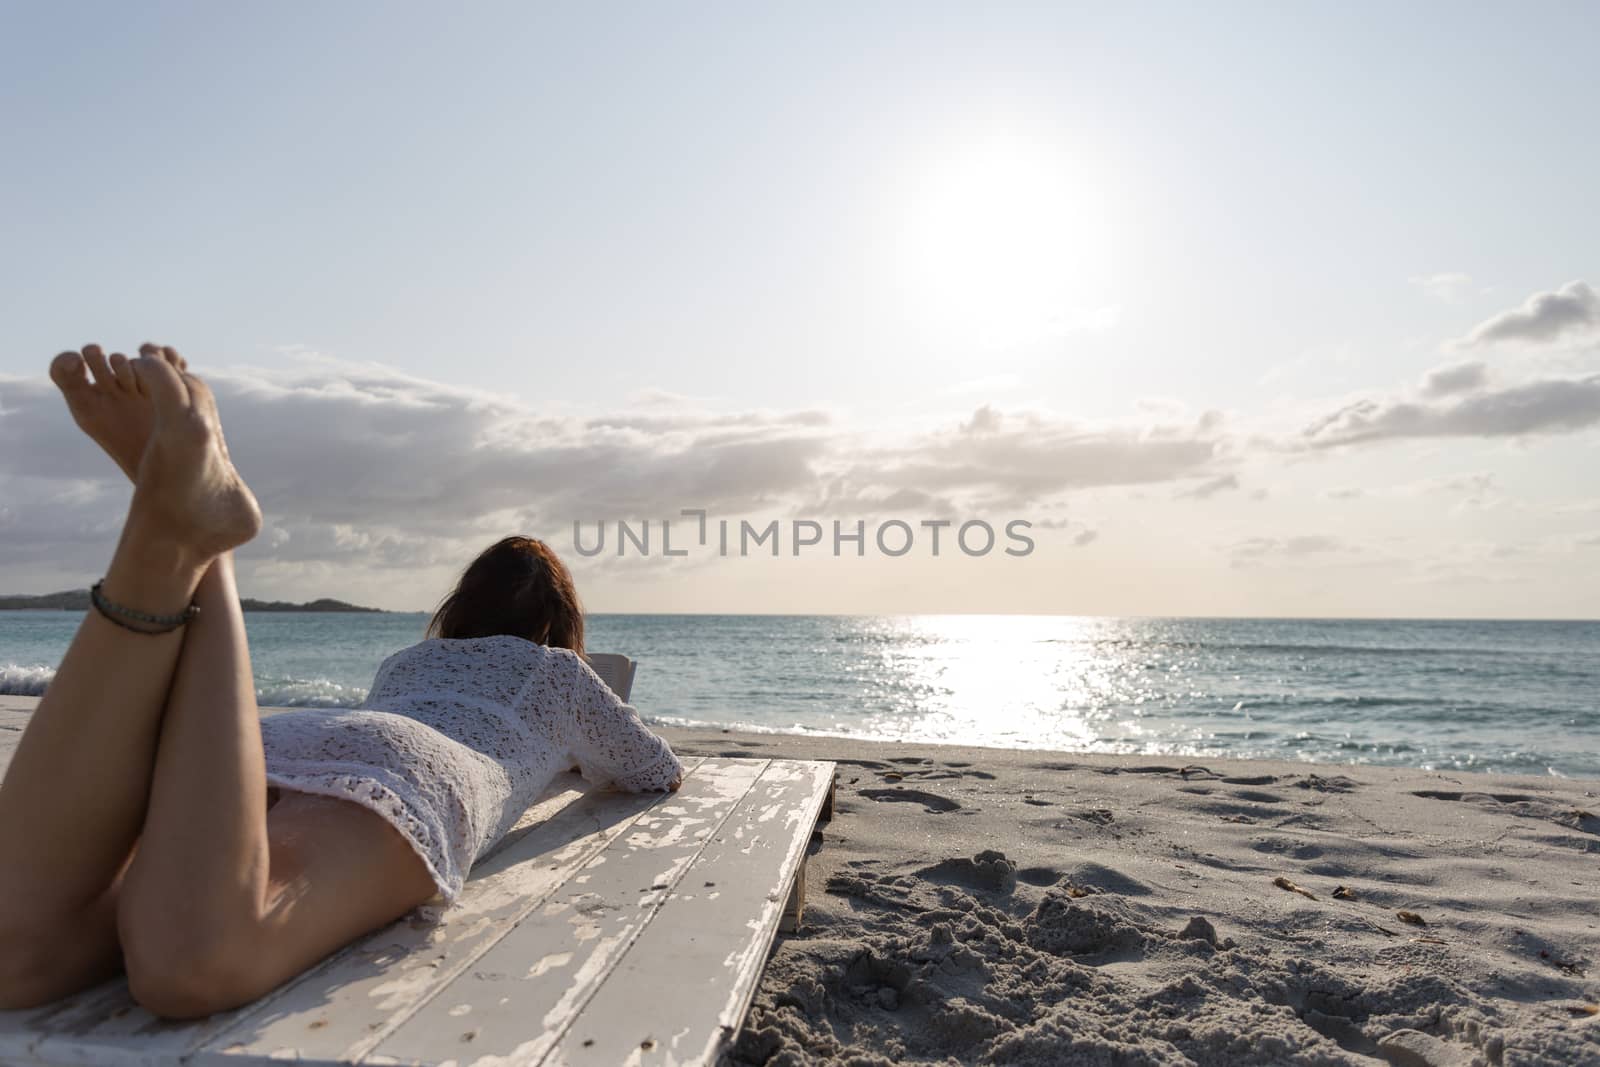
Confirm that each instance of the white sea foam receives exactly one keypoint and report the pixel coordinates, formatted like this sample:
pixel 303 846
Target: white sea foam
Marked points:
pixel 32 681
pixel 307 693
pixel 17 681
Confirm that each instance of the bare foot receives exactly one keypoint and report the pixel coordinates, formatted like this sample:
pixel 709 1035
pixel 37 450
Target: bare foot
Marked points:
pixel 111 407
pixel 185 484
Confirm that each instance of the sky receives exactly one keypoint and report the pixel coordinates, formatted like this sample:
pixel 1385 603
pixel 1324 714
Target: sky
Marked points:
pixel 1245 309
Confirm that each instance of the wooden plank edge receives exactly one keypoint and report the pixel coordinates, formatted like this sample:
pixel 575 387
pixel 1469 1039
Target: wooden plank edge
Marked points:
pixel 731 1025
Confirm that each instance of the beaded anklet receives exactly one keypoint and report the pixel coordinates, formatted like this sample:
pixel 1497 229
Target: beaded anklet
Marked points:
pixel 126 617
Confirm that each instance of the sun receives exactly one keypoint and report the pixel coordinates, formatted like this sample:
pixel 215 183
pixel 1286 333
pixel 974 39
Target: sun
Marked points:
pixel 1006 239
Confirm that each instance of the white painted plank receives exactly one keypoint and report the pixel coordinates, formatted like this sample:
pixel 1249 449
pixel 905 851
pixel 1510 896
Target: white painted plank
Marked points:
pixel 339 1012
pixel 521 995
pixel 681 992
pixel 22 1031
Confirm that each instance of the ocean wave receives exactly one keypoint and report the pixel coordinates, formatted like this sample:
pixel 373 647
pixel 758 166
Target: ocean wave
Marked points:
pixel 18 681
pixel 307 693
pixel 22 681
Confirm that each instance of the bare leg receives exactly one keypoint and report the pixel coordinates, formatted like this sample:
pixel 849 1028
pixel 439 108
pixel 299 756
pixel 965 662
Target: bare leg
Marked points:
pixel 223 900
pixel 73 800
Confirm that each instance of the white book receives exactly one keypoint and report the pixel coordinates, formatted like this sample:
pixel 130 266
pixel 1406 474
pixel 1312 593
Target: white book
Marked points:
pixel 614 669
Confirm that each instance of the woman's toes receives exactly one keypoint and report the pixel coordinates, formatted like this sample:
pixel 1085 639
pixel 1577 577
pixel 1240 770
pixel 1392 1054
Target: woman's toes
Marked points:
pixel 69 372
pixel 161 382
pixel 123 370
pixel 101 369
pixel 165 352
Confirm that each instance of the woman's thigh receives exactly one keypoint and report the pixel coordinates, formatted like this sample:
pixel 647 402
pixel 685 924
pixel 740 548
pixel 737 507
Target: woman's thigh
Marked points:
pixel 337 871
pixel 46 955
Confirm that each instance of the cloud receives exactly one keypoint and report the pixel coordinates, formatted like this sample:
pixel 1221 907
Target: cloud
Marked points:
pixel 1013 459
pixel 1222 483
pixel 1479 489
pixel 368 468
pixel 1551 406
pixel 363 463
pixel 1085 535
pixel 1543 317
pixel 842 497
pixel 1256 551
pixel 1455 378
pixel 1447 286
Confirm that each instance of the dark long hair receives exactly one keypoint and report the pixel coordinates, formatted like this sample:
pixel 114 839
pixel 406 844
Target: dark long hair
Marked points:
pixel 519 587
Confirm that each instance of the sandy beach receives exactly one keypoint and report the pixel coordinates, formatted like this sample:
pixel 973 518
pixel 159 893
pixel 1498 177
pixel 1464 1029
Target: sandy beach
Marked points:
pixel 1017 907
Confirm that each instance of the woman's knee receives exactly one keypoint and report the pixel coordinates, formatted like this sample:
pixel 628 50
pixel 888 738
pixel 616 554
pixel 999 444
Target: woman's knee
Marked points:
pixel 184 966
pixel 189 981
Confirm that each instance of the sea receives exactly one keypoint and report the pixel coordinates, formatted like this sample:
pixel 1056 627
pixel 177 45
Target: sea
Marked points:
pixel 1493 696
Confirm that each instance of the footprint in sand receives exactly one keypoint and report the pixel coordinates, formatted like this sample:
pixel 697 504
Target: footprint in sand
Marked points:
pixel 1286 846
pixel 1186 772
pixel 1107 880
pixel 1337 784
pixel 935 804
pixel 1524 806
pixel 1502 798
pixel 986 870
pixel 1039 876
pixel 1258 797
pixel 870 764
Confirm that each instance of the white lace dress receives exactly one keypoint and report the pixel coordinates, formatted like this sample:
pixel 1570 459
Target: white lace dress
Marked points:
pixel 458 737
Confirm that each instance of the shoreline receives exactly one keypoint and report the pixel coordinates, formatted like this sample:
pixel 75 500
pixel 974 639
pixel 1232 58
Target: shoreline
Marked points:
pixel 24 701
pixel 1019 906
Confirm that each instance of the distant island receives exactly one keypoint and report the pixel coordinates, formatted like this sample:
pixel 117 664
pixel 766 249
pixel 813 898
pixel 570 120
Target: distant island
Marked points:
pixel 78 600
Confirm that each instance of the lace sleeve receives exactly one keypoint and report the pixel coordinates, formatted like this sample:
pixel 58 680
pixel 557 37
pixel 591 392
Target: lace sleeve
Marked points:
pixel 611 746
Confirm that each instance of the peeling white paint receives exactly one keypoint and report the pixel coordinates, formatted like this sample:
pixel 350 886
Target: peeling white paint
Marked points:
pixel 555 959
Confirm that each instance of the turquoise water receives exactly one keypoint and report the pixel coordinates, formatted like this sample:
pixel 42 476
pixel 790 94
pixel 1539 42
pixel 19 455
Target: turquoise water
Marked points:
pixel 1510 697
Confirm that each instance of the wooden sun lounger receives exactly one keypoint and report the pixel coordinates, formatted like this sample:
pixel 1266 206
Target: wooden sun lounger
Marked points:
pixel 606 928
